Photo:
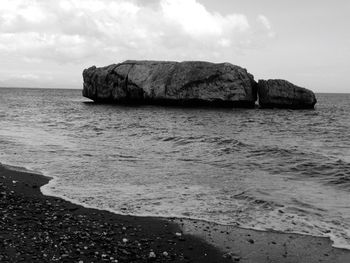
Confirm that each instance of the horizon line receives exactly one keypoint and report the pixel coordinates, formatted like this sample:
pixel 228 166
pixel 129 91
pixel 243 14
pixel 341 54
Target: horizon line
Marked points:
pixel 71 88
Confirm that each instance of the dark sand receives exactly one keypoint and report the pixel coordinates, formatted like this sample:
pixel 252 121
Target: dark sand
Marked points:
pixel 38 228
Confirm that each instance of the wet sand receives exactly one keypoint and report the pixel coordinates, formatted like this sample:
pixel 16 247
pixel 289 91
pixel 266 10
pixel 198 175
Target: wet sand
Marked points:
pixel 247 245
pixel 38 228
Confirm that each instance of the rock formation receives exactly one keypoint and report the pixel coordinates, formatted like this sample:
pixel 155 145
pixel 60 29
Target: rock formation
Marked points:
pixel 171 83
pixel 190 83
pixel 283 94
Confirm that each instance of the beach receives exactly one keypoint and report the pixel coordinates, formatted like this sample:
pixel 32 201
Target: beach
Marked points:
pixel 174 131
pixel 38 228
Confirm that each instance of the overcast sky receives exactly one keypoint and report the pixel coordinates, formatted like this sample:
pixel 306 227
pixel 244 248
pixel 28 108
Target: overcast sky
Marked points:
pixel 47 43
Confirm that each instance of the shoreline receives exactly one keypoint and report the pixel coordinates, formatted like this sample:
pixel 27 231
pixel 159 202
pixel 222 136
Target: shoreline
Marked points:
pixel 34 215
pixel 179 219
pixel 185 221
pixel 38 228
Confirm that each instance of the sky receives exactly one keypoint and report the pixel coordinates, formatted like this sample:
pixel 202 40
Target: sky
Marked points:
pixel 48 43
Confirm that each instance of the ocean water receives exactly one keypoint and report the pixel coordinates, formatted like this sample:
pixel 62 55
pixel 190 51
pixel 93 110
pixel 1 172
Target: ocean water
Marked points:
pixel 264 169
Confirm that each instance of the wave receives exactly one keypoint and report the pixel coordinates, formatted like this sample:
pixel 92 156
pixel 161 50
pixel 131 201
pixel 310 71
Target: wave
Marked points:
pixel 216 140
pixel 335 173
pixel 338 240
pixel 300 164
pixel 193 161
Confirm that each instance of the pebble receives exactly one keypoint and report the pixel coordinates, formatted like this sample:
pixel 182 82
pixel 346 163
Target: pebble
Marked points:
pixel 152 254
pixel 61 232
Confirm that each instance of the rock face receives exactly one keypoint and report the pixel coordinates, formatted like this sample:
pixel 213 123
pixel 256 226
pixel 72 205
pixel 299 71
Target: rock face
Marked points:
pixel 283 94
pixel 174 83
pixel 190 83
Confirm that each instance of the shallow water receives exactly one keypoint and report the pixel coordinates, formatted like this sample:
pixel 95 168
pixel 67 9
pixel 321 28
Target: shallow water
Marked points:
pixel 265 169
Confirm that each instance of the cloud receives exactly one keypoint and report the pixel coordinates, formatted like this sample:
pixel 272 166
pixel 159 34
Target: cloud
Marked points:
pixel 27 76
pixel 264 21
pixel 197 21
pixel 23 79
pixel 81 31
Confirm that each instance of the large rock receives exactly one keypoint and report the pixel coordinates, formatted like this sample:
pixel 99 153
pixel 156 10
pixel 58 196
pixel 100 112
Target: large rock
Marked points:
pixel 283 94
pixel 181 83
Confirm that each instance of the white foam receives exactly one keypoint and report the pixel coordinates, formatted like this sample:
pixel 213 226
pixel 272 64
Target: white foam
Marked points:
pixel 270 221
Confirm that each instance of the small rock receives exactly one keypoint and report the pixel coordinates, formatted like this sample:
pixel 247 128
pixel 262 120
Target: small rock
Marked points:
pixel 152 255
pixel 228 255
pixel 237 259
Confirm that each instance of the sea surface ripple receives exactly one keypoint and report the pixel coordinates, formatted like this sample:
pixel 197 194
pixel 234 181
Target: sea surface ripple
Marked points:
pixel 286 170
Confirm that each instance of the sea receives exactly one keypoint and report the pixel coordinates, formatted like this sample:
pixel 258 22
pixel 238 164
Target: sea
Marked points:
pixel 266 169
